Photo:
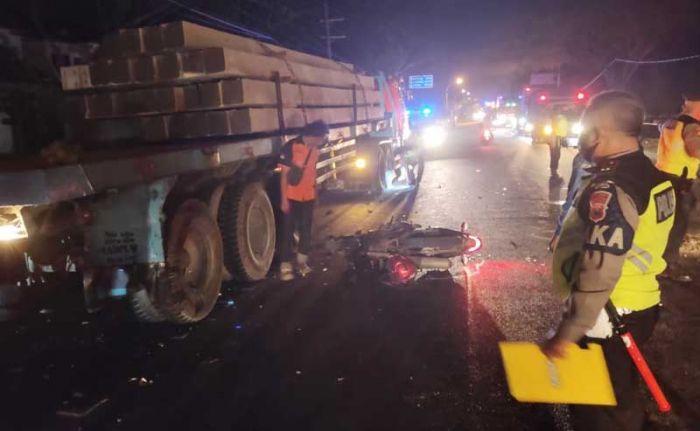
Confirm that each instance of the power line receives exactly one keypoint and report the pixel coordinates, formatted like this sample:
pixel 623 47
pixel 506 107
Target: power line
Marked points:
pixel 220 21
pixel 206 17
pixel 639 62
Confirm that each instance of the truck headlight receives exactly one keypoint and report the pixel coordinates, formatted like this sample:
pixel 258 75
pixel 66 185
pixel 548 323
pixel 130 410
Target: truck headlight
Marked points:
pixel 434 136
pixel 360 163
pixel 577 128
pixel 548 130
pixel 12 227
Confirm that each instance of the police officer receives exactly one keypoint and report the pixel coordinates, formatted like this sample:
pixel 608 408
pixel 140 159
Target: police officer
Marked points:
pixel 611 249
pixel 298 196
pixel 679 155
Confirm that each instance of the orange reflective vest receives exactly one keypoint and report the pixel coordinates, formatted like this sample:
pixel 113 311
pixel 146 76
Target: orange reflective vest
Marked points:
pixel 296 152
pixel 672 156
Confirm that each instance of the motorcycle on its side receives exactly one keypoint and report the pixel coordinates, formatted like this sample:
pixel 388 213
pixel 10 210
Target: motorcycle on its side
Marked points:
pixel 401 252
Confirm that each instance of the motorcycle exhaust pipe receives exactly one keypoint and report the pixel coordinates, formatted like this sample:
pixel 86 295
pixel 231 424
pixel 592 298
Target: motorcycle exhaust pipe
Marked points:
pixel 424 262
pixel 421 262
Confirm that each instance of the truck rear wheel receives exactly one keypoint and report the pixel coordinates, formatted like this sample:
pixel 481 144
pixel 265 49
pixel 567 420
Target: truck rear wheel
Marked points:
pixel 247 223
pixel 193 265
pixel 143 307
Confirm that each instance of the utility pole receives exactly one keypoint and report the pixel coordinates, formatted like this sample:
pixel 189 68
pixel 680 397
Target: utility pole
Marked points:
pixel 328 21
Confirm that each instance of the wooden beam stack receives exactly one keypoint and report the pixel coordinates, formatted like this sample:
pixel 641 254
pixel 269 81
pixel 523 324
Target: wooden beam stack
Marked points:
pixel 184 81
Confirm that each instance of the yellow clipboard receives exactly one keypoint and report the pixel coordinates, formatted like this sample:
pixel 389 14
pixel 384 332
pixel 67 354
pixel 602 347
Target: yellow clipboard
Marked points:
pixel 579 378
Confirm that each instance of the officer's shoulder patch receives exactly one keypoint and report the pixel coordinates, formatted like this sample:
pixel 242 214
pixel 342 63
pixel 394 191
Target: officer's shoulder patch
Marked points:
pixel 665 204
pixel 598 205
pixel 608 230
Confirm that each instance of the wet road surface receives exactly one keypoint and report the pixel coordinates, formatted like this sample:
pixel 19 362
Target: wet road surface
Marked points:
pixel 331 352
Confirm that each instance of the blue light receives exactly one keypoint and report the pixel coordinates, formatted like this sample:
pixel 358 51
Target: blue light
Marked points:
pixel 118 292
pixel 427 112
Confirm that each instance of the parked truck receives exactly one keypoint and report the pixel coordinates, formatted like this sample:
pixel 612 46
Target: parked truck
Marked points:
pixel 165 185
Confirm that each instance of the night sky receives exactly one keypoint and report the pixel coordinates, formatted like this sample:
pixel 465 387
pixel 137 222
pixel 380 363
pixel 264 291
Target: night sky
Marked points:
pixel 497 43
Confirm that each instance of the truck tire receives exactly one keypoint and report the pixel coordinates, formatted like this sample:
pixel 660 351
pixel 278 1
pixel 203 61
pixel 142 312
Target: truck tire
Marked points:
pixel 193 265
pixel 247 224
pixel 143 307
pixel 378 183
pixel 416 175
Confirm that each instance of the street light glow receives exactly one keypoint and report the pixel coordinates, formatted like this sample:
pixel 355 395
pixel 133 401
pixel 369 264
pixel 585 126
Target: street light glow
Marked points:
pixel 459 80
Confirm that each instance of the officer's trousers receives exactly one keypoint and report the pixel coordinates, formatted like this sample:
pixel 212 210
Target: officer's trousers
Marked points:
pixel 554 153
pixel 629 414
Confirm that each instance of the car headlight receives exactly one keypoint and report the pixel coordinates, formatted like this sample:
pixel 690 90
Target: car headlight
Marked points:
pixel 479 116
pixel 434 136
pixel 529 127
pixel 360 163
pixel 12 227
pixel 548 130
pixel 577 128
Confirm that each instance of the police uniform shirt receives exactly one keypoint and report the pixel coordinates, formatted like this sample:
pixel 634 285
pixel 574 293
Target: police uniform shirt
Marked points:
pixel 612 245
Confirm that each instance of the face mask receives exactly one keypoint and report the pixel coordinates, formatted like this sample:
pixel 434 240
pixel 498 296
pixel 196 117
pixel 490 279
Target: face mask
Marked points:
pixel 587 144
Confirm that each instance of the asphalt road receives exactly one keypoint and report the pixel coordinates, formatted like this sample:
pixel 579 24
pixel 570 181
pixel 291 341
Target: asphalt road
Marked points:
pixel 330 352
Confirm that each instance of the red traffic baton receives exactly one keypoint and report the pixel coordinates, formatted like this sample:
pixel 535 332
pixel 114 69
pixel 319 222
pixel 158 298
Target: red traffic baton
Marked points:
pixel 638 358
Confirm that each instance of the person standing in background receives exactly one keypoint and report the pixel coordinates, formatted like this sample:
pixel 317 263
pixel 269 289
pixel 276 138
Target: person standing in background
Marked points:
pixel 298 196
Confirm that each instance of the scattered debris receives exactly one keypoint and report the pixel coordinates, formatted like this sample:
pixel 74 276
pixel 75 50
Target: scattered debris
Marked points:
pixel 237 326
pixel 45 311
pixel 230 302
pixel 180 337
pixel 84 323
pixel 340 379
pixel 73 414
pixel 298 372
pixel 325 269
pixel 141 382
pixel 329 212
pixel 514 244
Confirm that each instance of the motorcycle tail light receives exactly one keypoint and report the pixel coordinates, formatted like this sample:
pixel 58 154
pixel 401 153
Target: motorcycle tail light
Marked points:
pixel 401 270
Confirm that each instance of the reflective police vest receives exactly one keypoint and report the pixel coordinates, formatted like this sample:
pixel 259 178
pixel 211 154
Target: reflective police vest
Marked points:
pixel 672 156
pixel 637 288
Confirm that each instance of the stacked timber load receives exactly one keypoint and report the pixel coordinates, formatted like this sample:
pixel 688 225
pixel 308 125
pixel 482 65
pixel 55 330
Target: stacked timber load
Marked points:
pixel 184 81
